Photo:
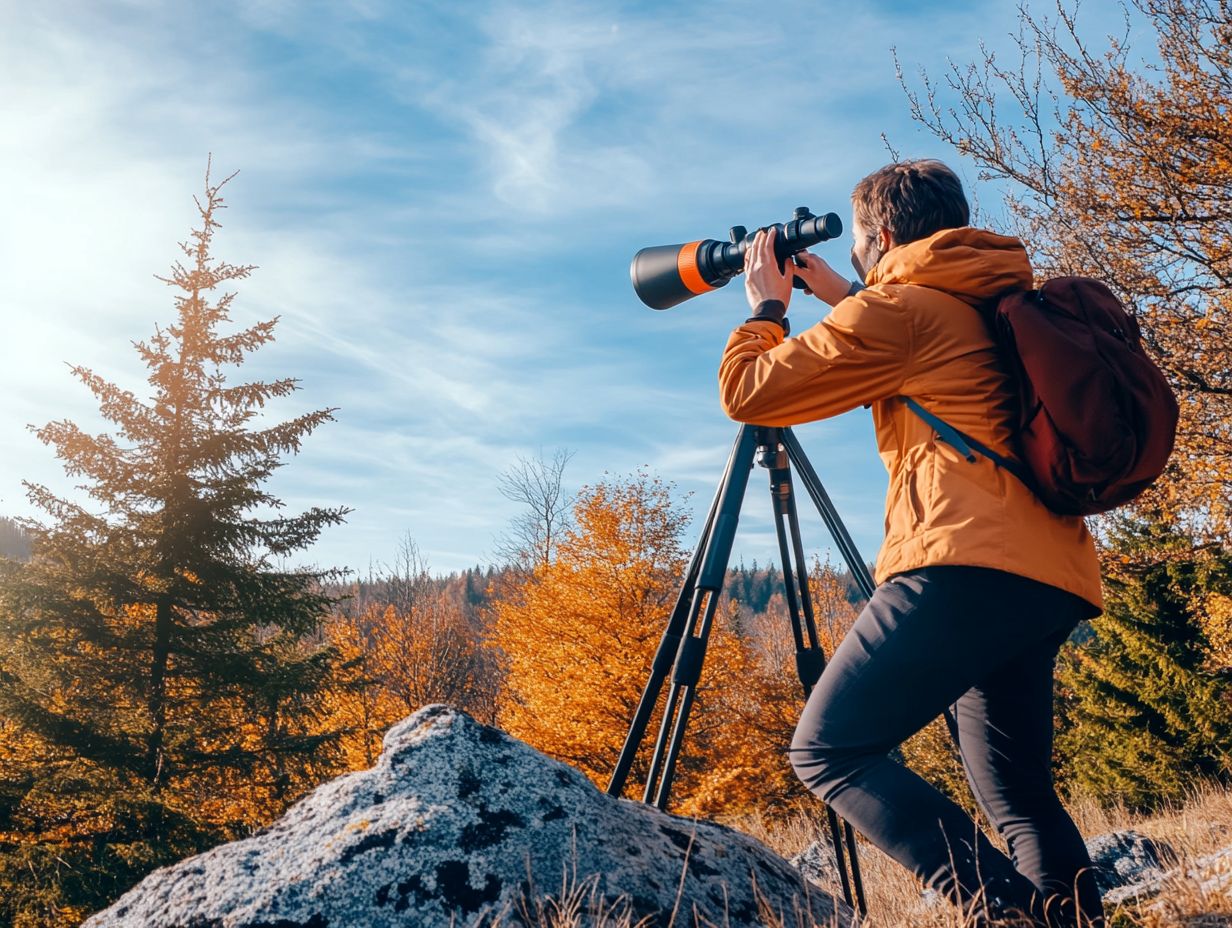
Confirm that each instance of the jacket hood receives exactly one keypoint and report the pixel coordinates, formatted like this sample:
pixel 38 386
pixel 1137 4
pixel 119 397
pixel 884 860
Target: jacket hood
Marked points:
pixel 971 264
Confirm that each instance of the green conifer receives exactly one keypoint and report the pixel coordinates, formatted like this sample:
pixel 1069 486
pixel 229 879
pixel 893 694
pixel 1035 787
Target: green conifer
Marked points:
pixel 159 663
pixel 1143 711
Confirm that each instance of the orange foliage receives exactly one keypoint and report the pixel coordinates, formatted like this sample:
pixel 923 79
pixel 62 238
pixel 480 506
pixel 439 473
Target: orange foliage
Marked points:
pixel 768 720
pixel 395 661
pixel 578 636
pixel 742 730
pixel 357 704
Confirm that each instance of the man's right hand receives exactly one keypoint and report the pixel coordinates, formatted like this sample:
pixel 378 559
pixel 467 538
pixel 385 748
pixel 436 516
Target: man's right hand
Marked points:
pixel 825 283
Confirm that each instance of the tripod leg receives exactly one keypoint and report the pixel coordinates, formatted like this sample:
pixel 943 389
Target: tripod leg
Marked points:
pixel 810 661
pixel 864 577
pixel 702 607
pixel 829 515
pixel 665 656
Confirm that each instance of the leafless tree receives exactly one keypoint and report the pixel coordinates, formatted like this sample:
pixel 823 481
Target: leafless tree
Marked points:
pixel 407 579
pixel 536 483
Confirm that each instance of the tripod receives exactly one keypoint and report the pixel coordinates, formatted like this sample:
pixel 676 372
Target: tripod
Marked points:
pixel 683 646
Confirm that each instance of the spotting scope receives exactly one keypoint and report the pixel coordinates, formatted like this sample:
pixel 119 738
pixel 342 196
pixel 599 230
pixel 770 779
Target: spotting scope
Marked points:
pixel 666 275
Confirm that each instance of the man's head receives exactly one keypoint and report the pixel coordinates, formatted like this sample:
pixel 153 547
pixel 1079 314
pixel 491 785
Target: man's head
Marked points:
pixel 901 203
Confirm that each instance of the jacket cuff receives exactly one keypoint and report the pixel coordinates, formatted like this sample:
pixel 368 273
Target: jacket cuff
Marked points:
pixel 771 311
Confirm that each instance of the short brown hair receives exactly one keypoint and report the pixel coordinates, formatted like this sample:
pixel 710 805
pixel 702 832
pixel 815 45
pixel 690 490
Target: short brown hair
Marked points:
pixel 913 199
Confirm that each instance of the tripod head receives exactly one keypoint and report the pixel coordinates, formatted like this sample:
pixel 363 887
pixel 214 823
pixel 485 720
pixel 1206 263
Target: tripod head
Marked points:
pixel 770 452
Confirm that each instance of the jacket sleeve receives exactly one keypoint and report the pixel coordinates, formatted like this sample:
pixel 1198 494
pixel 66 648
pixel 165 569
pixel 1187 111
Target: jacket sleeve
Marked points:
pixel 858 354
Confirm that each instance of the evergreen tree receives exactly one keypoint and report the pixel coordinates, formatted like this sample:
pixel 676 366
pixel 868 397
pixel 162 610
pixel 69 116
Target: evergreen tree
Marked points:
pixel 160 667
pixel 1144 709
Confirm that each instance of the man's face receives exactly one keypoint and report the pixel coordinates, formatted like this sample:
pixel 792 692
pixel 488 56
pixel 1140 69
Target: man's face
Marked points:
pixel 865 248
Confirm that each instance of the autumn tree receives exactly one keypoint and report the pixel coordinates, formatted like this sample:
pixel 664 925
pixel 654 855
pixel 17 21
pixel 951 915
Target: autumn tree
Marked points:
pixel 759 710
pixel 430 654
pixel 413 643
pixel 736 761
pixel 578 638
pixel 833 613
pixel 159 664
pixel 357 703
pixel 1147 699
pixel 1121 169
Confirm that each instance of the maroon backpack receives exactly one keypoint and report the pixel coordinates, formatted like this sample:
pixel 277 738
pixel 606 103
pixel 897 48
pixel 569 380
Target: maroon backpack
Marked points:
pixel 1097 418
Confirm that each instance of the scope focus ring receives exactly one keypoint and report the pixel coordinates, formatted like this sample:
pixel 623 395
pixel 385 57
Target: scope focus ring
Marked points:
pixel 690 274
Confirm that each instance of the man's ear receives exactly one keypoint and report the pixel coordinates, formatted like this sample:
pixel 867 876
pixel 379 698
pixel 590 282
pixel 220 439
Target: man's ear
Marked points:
pixel 885 238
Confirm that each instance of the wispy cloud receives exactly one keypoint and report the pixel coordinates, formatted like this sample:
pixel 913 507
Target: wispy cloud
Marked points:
pixel 442 199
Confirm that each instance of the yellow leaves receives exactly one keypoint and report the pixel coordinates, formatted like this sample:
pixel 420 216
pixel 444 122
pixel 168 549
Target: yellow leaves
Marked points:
pixel 395 661
pixel 578 637
pixel 144 612
pixel 188 576
pixel 1215 617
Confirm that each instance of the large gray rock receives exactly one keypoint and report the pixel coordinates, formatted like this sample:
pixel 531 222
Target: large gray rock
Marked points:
pixel 459 824
pixel 1212 873
pixel 817 864
pixel 1127 859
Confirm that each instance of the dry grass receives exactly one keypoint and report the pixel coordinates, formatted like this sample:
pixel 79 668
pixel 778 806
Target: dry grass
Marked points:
pixel 1199 826
pixel 1196 827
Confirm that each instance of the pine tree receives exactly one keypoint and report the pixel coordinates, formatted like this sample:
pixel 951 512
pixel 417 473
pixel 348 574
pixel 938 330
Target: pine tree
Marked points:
pixel 1145 708
pixel 155 648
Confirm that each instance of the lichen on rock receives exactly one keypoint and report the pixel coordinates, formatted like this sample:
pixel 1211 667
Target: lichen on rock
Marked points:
pixel 460 824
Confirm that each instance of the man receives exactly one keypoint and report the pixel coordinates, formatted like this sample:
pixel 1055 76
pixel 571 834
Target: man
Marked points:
pixel 978 582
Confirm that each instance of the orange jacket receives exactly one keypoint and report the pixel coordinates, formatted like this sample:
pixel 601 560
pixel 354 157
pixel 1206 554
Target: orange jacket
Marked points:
pixel 913 332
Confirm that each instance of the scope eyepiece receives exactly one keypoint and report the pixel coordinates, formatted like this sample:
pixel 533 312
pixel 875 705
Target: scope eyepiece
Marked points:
pixel 666 275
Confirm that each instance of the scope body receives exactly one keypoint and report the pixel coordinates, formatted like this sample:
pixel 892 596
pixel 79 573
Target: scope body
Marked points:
pixel 666 275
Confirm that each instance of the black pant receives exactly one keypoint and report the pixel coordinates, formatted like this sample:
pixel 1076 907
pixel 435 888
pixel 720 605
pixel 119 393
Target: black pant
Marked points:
pixel 982 642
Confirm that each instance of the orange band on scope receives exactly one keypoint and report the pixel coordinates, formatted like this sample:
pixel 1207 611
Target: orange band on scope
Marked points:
pixel 686 264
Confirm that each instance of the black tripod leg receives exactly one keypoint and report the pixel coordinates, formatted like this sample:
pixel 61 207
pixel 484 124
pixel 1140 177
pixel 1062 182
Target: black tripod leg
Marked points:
pixel 859 569
pixel 665 656
pixel 705 601
pixel 810 659
pixel 829 515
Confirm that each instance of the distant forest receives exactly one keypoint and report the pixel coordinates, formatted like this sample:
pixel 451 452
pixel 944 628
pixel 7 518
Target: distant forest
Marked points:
pixel 475 588
pixel 14 542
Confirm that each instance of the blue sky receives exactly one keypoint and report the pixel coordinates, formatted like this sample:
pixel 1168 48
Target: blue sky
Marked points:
pixel 443 199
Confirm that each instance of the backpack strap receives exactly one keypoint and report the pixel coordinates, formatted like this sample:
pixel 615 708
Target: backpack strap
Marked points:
pixel 965 444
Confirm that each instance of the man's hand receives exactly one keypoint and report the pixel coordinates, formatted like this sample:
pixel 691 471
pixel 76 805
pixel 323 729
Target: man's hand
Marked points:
pixel 762 278
pixel 825 283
